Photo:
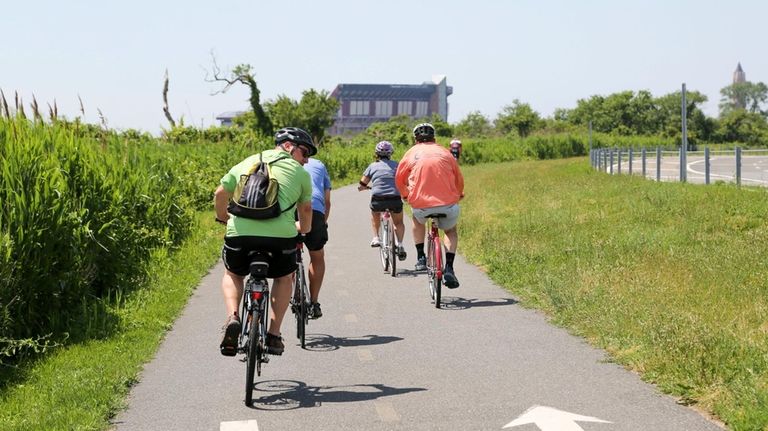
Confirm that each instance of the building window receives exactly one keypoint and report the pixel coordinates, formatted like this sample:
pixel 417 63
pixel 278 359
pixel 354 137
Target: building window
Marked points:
pixel 359 107
pixel 404 107
pixel 383 108
pixel 421 109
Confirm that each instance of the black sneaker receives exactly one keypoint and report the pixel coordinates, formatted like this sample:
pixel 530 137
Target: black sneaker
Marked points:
pixel 421 264
pixel 274 344
pixel 401 254
pixel 228 346
pixel 314 311
pixel 450 279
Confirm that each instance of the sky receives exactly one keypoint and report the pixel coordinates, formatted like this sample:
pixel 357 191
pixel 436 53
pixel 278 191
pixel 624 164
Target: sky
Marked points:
pixel 113 55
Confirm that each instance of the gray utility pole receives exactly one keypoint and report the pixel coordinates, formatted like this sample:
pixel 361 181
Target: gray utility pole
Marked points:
pixel 684 145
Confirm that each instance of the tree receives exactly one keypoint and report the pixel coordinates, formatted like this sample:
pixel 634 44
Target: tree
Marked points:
pixel 243 74
pixel 743 126
pixel 670 108
pixel 283 111
pixel 316 111
pixel 518 117
pixel 313 113
pixel 473 125
pixel 743 95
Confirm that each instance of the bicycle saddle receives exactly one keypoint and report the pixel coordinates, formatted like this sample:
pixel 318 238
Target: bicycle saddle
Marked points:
pixel 259 265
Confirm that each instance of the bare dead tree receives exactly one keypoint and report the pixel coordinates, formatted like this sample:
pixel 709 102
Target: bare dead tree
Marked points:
pixel 165 101
pixel 243 74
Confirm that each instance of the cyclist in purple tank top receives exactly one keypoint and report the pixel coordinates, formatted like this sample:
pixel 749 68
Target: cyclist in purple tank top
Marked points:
pixel 379 176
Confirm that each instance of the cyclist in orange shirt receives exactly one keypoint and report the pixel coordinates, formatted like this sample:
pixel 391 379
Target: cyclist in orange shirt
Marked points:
pixel 428 177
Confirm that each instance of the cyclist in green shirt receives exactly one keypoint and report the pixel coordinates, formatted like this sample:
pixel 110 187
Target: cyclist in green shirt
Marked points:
pixel 276 235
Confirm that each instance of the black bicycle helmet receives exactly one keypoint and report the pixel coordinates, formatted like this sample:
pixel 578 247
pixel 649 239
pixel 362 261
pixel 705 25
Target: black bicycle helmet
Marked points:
pixel 296 136
pixel 424 132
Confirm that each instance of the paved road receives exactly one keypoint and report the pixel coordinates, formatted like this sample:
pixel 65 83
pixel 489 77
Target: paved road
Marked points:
pixel 383 358
pixel 754 168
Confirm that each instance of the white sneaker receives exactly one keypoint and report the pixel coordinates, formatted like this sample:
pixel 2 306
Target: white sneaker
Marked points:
pixel 375 242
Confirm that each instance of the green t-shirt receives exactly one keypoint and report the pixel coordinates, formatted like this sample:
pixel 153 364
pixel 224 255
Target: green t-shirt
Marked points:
pixel 295 186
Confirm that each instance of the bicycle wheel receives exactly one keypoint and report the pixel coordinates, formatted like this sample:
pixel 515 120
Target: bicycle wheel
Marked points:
pixel 302 308
pixel 430 268
pixel 252 355
pixel 383 249
pixel 392 252
pixel 437 273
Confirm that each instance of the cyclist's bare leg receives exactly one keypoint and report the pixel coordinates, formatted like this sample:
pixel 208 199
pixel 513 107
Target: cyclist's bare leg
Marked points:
pixel 281 296
pixel 418 231
pixel 375 222
pixel 316 273
pixel 451 239
pixel 397 218
pixel 232 289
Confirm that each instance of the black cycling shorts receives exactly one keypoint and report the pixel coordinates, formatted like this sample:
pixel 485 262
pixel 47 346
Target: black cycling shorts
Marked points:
pixel 282 254
pixel 318 236
pixel 382 203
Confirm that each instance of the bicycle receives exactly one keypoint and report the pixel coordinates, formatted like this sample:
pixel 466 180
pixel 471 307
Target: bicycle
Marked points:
pixel 388 249
pixel 254 312
pixel 434 258
pixel 300 301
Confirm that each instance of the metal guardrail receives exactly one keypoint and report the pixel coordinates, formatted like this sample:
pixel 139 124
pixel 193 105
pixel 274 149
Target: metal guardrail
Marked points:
pixel 686 166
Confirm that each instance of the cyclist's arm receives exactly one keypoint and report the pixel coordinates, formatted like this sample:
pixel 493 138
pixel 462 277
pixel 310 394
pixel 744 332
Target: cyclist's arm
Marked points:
pixel 305 216
pixel 221 200
pixel 327 204
pixel 459 179
pixel 363 184
pixel 401 177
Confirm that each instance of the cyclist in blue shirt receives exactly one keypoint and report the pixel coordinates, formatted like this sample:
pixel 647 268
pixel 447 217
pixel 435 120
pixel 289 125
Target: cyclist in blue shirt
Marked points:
pixel 318 236
pixel 379 176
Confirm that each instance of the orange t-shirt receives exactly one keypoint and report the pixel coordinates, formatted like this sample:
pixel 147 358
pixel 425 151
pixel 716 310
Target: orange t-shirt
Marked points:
pixel 429 176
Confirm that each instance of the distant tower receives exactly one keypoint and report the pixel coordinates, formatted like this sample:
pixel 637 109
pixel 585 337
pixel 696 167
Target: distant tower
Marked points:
pixel 739 77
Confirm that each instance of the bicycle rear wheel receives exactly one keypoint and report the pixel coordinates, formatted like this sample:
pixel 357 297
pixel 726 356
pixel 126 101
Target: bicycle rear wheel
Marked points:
pixel 392 251
pixel 384 248
pixel 434 267
pixel 252 355
pixel 302 305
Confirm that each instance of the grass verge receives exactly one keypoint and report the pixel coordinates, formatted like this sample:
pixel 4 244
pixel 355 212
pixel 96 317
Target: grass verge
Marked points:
pixel 79 387
pixel 671 279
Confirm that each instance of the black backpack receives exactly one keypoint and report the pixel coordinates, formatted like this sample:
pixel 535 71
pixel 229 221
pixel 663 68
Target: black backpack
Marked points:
pixel 256 194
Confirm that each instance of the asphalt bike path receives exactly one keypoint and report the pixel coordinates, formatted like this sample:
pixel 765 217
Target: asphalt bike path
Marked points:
pixel 384 358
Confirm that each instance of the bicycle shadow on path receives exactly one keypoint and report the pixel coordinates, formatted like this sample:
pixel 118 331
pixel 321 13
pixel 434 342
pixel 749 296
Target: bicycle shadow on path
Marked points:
pixel 327 343
pixel 456 303
pixel 279 395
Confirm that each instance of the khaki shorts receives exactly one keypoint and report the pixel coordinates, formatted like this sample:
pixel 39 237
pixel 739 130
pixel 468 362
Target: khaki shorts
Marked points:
pixel 449 221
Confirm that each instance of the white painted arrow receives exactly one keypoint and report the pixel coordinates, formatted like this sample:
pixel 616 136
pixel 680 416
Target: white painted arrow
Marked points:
pixel 551 419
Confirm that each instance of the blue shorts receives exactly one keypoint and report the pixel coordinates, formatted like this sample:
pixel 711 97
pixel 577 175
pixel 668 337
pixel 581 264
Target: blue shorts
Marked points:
pixel 448 222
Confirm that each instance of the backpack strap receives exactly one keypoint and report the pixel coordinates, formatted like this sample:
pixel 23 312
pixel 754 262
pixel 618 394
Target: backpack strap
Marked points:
pixel 280 157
